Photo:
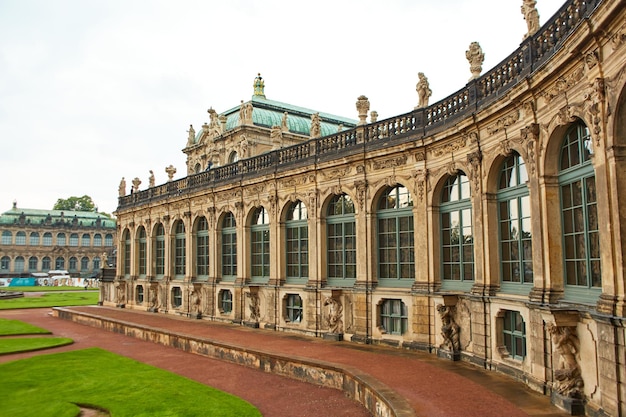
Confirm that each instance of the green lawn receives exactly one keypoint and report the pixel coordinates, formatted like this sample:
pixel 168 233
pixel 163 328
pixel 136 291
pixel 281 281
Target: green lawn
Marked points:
pixel 52 386
pixel 28 344
pixel 52 299
pixel 10 327
pixel 46 289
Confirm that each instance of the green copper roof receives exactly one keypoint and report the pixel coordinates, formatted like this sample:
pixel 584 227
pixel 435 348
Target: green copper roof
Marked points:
pixel 35 216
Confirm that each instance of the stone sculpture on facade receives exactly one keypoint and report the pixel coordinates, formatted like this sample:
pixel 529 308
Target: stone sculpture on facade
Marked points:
pixel 243 147
pixel 122 188
pixel 195 301
pixel 192 136
pixel 362 106
pixel 283 124
pixel 255 309
pixel 449 329
pixel 316 129
pixel 568 379
pixel 259 86
pixel 423 90
pixel 120 296
pixel 215 128
pixel 276 137
pixel 136 184
pixel 151 179
pixel 245 113
pixel 334 314
pixel 373 116
pixel 475 57
pixel 170 170
pixel 531 15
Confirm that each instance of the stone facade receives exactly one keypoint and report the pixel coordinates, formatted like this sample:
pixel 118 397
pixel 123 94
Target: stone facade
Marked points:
pixel 36 241
pixel 487 226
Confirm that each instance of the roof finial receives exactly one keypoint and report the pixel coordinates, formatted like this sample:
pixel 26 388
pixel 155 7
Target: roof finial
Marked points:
pixel 259 86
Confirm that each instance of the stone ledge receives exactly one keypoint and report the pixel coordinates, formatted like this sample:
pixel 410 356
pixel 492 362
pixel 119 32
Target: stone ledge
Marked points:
pixel 375 396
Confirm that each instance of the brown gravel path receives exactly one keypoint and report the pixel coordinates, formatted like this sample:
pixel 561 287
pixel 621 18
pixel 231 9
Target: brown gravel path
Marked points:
pixel 434 387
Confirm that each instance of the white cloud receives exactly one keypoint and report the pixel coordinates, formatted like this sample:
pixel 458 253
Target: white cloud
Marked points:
pixel 99 90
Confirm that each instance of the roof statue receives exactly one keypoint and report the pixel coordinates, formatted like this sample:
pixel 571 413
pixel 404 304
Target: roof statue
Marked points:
pixel 170 170
pixel 136 184
pixel 259 86
pixel 215 127
pixel 315 125
pixel 283 122
pixel 122 188
pixel 192 136
pixel 245 113
pixel 362 106
pixel 531 15
pixel 475 57
pixel 423 90
pixel 151 179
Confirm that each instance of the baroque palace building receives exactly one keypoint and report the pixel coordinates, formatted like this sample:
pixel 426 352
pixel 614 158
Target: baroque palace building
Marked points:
pixel 37 241
pixel 487 227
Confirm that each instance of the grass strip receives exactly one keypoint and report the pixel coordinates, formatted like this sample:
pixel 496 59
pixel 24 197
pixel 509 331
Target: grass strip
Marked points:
pixel 29 344
pixel 38 288
pixel 54 299
pixel 10 327
pixel 51 386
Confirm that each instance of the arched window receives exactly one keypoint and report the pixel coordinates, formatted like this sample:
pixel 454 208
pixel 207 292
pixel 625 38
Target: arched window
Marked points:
pixel 159 250
pixel 32 264
pixel 85 240
pixel 394 316
pixel 45 264
pixel 61 239
pixel 33 239
pixel 581 241
pixel 84 264
pixel 293 308
pixel 341 239
pixel 202 247
pixel 7 237
pixel 97 240
pixel 47 239
pixel 142 251
pixel 396 248
pixel 96 263
pixel 73 264
pixel 233 157
pixel 260 244
pixel 74 239
pixel 139 292
pixel 19 263
pixel 229 247
pixel 226 301
pixel 126 251
pixel 516 257
pixel 297 242
pixel 5 264
pixel 179 249
pixel 177 297
pixel 108 239
pixel 20 238
pixel 59 263
pixel 457 240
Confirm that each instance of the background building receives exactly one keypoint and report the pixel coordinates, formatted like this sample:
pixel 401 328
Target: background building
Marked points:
pixel 36 241
pixel 487 227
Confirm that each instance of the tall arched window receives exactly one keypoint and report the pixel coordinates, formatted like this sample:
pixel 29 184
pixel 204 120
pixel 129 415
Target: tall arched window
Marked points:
pixel 581 241
pixel 59 263
pixel 20 238
pixel 159 250
pixel 45 264
pixel 142 255
pixel 229 247
pixel 73 264
pixel 5 264
pixel 260 244
pixel 85 241
pixel 7 237
pixel 126 252
pixel 108 239
pixel 341 239
pixel 61 239
pixel 84 264
pixel 96 263
pixel 179 249
pixel 297 242
pixel 33 239
pixel 97 240
pixel 47 239
pixel 516 257
pixel 396 248
pixel 74 239
pixel 202 247
pixel 32 264
pixel 19 263
pixel 457 240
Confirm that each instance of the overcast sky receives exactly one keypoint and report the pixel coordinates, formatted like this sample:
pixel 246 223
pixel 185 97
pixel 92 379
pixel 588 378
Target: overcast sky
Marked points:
pixel 95 90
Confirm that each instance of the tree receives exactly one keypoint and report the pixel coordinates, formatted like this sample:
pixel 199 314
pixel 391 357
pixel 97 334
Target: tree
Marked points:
pixel 84 203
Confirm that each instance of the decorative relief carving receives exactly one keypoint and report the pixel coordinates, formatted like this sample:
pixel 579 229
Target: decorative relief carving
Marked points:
pixel 568 379
pixel 336 173
pixel 591 59
pixel 504 122
pixel 361 188
pixel 420 176
pixel 255 189
pixel 530 136
pixel 211 215
pixel 449 329
pixel 594 98
pixel 389 162
pixel 565 116
pixel 563 83
pixel 449 147
pixel 295 181
pixel 273 200
pixel 474 159
pixel 312 204
pixel 618 38
pixel 420 156
pixel 333 316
